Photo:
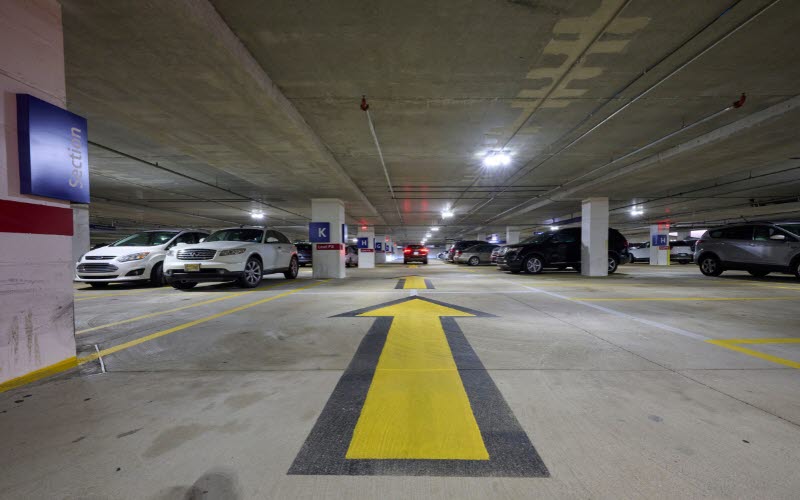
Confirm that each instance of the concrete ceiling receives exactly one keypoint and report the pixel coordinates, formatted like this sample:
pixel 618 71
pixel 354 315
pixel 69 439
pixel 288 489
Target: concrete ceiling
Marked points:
pixel 203 112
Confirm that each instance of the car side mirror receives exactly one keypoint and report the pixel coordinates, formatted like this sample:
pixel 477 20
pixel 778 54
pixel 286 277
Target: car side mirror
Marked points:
pixel 778 237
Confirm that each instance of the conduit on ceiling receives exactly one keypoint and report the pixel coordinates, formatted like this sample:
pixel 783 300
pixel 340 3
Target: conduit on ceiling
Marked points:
pixel 365 109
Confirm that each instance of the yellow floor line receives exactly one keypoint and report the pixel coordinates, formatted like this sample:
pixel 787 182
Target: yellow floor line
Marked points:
pixel 115 294
pixel 188 306
pixel 414 282
pixel 732 345
pixel 61 366
pixel 695 299
pixel 146 338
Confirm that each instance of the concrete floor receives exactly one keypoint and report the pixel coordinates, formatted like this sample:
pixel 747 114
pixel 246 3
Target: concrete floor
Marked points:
pixel 613 380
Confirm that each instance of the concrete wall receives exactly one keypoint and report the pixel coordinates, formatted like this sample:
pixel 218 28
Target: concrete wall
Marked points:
pixel 36 292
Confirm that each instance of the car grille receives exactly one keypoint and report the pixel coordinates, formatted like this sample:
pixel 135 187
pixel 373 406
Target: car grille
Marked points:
pixel 99 257
pixel 96 268
pixel 196 254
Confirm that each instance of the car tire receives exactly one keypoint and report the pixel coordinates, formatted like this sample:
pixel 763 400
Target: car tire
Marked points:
pixel 252 274
pixel 474 261
pixel 183 285
pixel 613 265
pixel 533 265
pixel 291 273
pixel 631 259
pixel 796 268
pixel 710 265
pixel 757 273
pixel 157 275
pixel 98 285
pixel 425 262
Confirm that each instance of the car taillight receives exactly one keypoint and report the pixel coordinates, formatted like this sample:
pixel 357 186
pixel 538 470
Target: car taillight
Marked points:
pixel 424 251
pixel 458 252
pixel 407 250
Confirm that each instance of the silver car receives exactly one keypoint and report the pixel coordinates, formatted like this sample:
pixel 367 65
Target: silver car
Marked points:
pixel 477 254
pixel 758 248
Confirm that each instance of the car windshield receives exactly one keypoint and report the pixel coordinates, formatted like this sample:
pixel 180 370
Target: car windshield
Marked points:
pixel 249 235
pixel 792 228
pixel 146 239
pixel 537 238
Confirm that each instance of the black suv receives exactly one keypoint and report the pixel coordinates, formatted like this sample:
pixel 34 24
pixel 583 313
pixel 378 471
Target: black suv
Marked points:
pixel 460 246
pixel 558 250
pixel 304 253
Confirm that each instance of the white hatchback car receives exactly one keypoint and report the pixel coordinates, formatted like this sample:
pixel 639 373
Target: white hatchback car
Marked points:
pixel 240 254
pixel 135 258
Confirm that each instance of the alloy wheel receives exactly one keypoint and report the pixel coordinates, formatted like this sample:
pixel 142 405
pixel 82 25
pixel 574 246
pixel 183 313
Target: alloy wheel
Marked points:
pixel 252 272
pixel 533 265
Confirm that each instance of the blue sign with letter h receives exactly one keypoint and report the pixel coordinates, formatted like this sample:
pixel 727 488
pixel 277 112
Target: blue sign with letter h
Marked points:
pixel 363 242
pixel 319 232
pixel 659 240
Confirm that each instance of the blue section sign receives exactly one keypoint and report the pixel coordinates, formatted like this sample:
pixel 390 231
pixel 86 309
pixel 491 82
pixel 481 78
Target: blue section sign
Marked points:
pixel 344 233
pixel 659 240
pixel 53 151
pixel 363 242
pixel 319 232
pixel 378 246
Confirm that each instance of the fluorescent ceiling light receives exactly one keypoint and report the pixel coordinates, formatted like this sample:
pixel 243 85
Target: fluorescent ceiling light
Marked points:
pixel 257 215
pixel 447 213
pixel 428 235
pixel 637 211
pixel 554 228
pixel 434 228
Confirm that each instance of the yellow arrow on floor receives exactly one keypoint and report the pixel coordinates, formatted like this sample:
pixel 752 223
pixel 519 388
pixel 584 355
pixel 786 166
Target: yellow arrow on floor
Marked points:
pixel 416 407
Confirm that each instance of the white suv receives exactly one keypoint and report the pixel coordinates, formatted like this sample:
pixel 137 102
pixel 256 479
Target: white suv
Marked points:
pixel 135 258
pixel 240 254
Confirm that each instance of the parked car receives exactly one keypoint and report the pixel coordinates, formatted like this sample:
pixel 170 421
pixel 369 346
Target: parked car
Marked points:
pixel 304 253
pixel 460 246
pixel 240 254
pixel 135 258
pixel 639 252
pixel 558 250
pixel 351 256
pixel 758 248
pixel 495 253
pixel 477 254
pixel 681 251
pixel 415 253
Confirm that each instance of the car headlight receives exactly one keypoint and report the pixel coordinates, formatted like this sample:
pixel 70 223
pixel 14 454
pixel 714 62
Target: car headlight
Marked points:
pixel 232 251
pixel 133 256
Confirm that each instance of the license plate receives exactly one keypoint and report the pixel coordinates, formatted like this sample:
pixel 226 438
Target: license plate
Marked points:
pixel 416 253
pixel 191 268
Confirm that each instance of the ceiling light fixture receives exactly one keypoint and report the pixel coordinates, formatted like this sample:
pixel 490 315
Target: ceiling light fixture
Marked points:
pixel 554 228
pixel 637 211
pixel 497 159
pixel 447 213
pixel 257 215
pixel 428 235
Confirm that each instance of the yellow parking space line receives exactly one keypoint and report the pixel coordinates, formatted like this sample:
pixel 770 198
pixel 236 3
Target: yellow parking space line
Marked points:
pixel 414 282
pixel 115 294
pixel 176 309
pixel 408 412
pixel 732 344
pixel 684 299
pixel 152 336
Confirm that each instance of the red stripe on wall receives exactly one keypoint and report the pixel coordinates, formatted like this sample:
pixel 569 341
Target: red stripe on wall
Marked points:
pixel 29 218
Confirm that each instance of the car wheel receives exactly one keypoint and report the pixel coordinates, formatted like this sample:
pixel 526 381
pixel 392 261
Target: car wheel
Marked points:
pixel 291 273
pixel 474 261
pixel 710 266
pixel 184 285
pixel 252 274
pixel 533 265
pixel 425 261
pixel 796 268
pixel 157 275
pixel 612 265
pixel 98 285
pixel 757 273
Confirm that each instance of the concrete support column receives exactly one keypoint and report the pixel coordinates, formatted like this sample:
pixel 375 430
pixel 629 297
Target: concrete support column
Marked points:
pixel 512 235
pixel 328 257
pixel 380 255
pixel 366 256
pixel 36 265
pixel 594 237
pixel 659 245
pixel 80 231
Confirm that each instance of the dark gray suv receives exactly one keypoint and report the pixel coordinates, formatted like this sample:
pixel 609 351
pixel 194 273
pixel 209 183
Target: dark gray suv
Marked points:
pixel 756 247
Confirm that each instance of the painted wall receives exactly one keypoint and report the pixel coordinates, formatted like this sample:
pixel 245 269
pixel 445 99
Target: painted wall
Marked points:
pixel 36 291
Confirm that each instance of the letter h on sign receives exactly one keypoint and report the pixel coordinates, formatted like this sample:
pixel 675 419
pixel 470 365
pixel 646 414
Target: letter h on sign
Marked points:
pixel 319 232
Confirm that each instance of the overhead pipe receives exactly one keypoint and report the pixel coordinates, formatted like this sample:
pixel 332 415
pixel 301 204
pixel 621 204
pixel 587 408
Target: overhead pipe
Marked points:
pixel 365 109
